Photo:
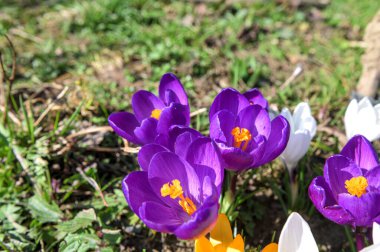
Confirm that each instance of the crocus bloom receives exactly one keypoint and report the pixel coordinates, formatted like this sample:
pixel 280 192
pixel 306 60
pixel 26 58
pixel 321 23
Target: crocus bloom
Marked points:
pixel 362 118
pixel 221 239
pixel 302 129
pixel 241 126
pixel 177 192
pixel 153 115
pixel 376 239
pixel 295 236
pixel 349 190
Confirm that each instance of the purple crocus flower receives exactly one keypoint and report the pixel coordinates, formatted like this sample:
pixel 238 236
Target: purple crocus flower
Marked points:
pixel 241 126
pixel 153 115
pixel 349 190
pixel 178 188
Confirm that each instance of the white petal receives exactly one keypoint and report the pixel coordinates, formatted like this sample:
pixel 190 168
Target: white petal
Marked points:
pixel 367 118
pixel 309 124
pixel 301 112
pixel 296 236
pixel 364 103
pixel 376 233
pixel 373 248
pixel 350 118
pixel 288 116
pixel 297 147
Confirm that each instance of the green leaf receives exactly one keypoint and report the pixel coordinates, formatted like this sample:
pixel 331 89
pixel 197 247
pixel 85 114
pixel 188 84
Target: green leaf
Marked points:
pixel 79 243
pixel 82 220
pixel 111 236
pixel 44 211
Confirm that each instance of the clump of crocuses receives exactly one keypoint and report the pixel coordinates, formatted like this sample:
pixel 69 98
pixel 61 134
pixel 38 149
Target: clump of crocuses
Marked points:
pixel 179 186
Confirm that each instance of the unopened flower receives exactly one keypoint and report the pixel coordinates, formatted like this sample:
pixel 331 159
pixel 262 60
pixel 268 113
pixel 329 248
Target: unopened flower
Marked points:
pixel 241 126
pixel 362 118
pixel 302 129
pixel 295 236
pixel 376 239
pixel 153 115
pixel 349 190
pixel 177 190
pixel 221 239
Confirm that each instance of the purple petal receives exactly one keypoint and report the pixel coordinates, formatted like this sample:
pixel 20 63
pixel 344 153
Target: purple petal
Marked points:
pixel 254 96
pixel 278 139
pixel 258 150
pixel 171 90
pixel 235 159
pixel 168 140
pixel 124 124
pixel 360 150
pixel 146 154
pixel 147 132
pixel 321 196
pixel 364 209
pixel 221 126
pixel 159 217
pixel 137 190
pixel 228 99
pixel 144 102
pixel 182 143
pixel 175 114
pixel 167 166
pixel 208 187
pixel 337 170
pixel 256 120
pixel 205 153
pixel 373 178
pixel 201 222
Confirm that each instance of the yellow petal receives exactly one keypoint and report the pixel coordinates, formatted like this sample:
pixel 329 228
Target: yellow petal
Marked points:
pixel 222 232
pixel 220 248
pixel 203 245
pixel 237 245
pixel 271 247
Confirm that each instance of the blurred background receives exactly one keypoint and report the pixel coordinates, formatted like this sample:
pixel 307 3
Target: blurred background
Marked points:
pixel 68 64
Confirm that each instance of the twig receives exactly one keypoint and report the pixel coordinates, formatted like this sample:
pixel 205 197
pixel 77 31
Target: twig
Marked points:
pixel 88 131
pixel 197 112
pixel 95 185
pixel 5 79
pixel 25 35
pixel 11 116
pixel 50 106
pixel 297 72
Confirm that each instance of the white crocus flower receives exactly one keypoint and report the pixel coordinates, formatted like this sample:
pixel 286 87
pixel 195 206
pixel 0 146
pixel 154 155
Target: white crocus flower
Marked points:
pixel 376 239
pixel 362 118
pixel 302 129
pixel 295 236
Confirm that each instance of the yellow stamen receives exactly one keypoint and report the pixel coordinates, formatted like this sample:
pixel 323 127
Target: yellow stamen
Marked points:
pixel 356 186
pixel 174 190
pixel 241 135
pixel 156 113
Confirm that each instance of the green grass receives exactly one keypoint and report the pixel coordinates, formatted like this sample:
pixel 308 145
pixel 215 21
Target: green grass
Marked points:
pixel 106 50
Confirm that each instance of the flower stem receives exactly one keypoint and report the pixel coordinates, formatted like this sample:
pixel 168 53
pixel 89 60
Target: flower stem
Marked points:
pixel 360 243
pixel 233 183
pixel 349 238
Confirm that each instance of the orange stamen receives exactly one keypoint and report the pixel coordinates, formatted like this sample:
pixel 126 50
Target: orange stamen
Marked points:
pixel 356 186
pixel 241 135
pixel 156 113
pixel 174 190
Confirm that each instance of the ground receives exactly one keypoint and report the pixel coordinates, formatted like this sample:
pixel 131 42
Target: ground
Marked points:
pixel 78 61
